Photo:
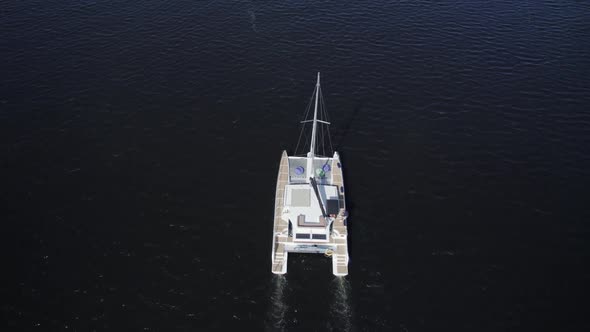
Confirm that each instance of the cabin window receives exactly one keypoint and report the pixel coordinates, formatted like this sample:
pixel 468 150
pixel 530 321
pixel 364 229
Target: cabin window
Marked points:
pixel 301 236
pixel 318 236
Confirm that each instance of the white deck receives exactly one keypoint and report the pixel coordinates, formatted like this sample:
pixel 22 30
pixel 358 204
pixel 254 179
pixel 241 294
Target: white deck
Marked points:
pixel 283 243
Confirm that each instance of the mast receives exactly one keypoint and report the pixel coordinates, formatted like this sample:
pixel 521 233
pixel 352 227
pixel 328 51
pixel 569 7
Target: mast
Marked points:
pixel 311 153
pixel 315 118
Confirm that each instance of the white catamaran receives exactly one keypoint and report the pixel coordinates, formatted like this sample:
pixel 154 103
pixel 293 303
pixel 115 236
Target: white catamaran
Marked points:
pixel 310 212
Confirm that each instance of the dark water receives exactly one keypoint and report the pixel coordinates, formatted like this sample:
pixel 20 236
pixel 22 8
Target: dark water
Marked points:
pixel 137 134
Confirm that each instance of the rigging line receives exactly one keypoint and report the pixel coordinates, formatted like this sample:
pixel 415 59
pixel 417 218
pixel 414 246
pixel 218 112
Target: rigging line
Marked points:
pixel 324 140
pixel 327 117
pixel 321 139
pixel 305 139
pixel 308 108
pixel 320 124
pixel 304 144
pixel 299 139
pixel 323 150
pixel 307 144
pixel 330 141
pixel 324 110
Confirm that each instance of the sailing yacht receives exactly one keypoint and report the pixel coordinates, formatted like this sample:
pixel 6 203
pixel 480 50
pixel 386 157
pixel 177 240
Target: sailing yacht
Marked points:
pixel 310 210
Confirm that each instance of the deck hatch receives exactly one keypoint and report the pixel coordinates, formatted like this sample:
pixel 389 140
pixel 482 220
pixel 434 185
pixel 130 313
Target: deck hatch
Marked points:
pixel 300 197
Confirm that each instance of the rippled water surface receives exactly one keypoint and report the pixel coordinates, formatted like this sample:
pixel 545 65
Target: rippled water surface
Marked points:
pixel 140 142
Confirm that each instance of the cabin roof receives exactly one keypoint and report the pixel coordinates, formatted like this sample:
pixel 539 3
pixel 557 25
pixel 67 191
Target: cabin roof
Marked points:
pixel 300 200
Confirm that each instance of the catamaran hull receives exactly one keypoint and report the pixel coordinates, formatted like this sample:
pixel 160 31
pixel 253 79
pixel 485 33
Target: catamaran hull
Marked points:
pixel 335 245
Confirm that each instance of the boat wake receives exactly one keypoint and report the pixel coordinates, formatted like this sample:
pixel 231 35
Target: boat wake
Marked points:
pixel 278 307
pixel 252 18
pixel 340 308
